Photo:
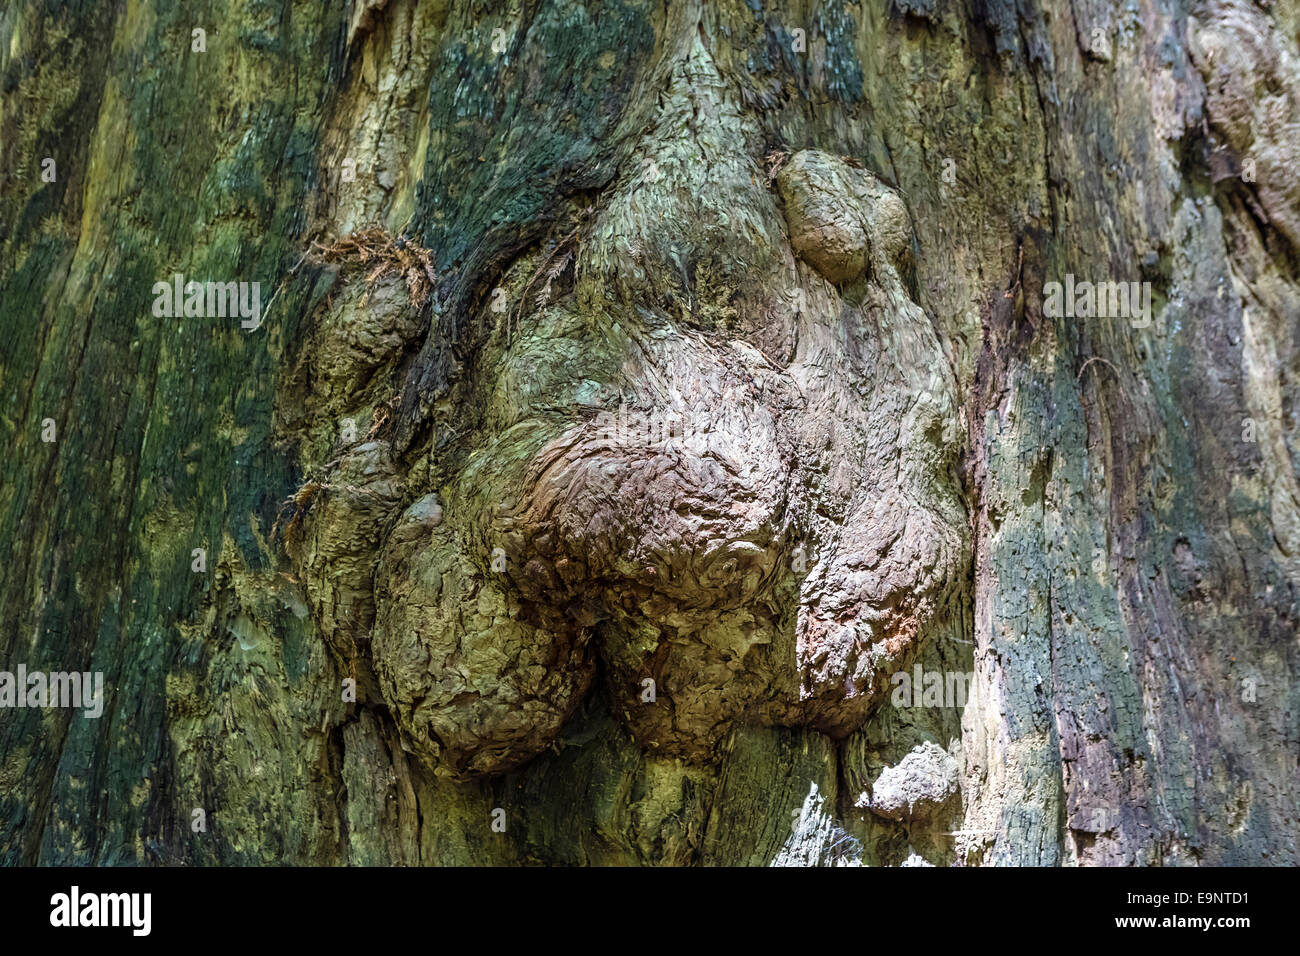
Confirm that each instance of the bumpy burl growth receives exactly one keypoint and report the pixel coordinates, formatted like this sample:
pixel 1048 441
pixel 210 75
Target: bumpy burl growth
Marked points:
pixel 835 210
pixel 743 497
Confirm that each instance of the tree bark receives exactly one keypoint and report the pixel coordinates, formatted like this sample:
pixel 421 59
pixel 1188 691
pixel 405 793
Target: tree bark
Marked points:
pixel 661 441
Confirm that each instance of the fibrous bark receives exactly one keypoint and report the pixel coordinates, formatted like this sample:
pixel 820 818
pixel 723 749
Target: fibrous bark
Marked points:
pixel 647 398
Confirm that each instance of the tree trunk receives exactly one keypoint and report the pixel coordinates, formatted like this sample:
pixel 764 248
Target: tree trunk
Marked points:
pixel 659 433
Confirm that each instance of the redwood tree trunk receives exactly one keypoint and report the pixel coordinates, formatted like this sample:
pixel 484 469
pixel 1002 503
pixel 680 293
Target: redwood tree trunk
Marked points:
pixel 670 434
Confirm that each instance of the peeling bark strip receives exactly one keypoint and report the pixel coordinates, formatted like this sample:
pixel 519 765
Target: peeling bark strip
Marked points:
pixel 633 397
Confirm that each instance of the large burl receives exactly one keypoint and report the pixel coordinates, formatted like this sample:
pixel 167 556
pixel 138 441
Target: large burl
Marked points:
pixel 714 478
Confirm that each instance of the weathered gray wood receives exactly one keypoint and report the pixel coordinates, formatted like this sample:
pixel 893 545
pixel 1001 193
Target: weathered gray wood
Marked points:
pixel 738 377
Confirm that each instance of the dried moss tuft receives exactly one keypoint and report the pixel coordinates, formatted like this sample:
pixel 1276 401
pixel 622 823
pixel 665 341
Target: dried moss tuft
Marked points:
pixel 382 253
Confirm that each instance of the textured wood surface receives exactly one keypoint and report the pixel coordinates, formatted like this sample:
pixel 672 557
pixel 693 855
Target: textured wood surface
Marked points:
pixel 737 377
